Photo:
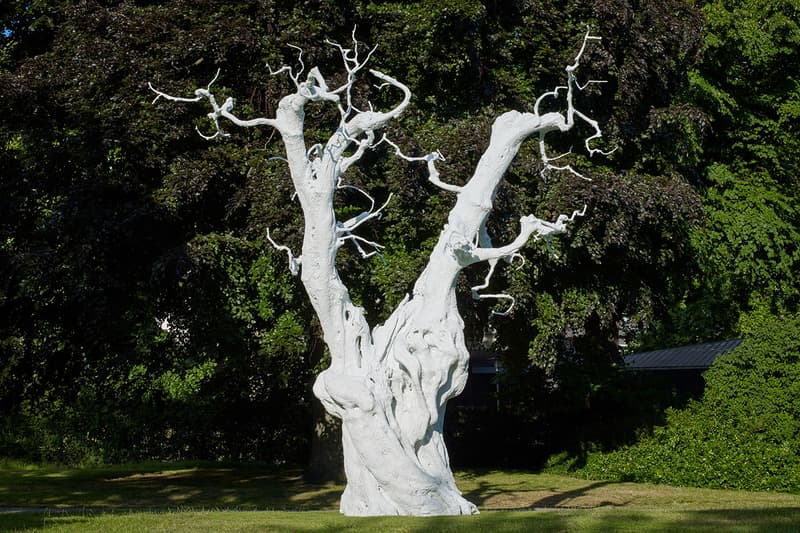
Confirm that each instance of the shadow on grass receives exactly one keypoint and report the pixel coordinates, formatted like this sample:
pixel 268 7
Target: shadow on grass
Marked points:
pixel 40 521
pixel 153 486
pixel 205 497
pixel 775 520
pixel 505 497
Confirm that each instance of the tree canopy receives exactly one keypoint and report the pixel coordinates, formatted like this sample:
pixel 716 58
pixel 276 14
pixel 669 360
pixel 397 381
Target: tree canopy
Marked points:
pixel 746 84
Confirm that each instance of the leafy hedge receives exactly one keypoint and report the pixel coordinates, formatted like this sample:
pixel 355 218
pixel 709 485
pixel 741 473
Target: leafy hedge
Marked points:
pixel 744 433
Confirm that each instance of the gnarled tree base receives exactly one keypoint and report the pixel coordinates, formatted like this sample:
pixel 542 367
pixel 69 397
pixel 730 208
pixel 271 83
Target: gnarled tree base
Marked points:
pixel 380 484
pixel 392 414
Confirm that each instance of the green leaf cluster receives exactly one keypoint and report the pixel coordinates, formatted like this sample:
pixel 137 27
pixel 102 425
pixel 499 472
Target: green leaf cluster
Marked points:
pixel 747 85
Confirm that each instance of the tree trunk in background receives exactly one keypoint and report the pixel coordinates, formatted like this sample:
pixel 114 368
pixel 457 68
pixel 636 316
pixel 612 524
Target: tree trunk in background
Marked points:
pixel 325 462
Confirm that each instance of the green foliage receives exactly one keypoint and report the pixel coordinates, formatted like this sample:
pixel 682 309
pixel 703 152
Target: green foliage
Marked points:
pixel 748 259
pixel 751 234
pixel 185 387
pixel 746 166
pixel 754 111
pixel 747 84
pixel 143 316
pixel 744 433
pixel 435 47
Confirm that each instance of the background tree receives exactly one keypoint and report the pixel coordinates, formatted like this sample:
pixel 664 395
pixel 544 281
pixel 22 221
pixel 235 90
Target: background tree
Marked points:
pixel 747 249
pixel 134 301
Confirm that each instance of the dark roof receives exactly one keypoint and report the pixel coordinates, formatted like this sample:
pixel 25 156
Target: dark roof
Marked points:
pixel 695 356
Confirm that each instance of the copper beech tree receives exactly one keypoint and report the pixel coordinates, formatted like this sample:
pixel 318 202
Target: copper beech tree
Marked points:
pixel 389 384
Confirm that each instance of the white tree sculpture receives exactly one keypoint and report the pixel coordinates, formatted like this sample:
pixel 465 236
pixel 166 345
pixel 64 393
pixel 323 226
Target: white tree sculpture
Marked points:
pixel 389 384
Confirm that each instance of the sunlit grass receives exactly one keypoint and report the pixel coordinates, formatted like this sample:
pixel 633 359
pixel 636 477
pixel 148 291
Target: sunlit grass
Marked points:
pixel 501 489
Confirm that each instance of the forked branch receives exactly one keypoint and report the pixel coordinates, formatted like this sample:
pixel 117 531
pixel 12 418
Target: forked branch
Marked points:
pixel 530 227
pixel 430 159
pixel 572 85
pixel 294 262
pixel 218 111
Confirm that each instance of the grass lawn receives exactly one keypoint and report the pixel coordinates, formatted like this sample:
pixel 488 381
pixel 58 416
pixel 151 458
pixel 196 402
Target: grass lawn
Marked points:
pixel 208 497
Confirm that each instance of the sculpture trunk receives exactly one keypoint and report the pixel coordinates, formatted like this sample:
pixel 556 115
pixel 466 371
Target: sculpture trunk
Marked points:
pixel 395 458
pixel 392 403
pixel 392 406
pixel 390 386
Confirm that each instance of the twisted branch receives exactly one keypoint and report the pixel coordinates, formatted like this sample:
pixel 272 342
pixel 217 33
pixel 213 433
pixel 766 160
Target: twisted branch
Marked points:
pixel 218 111
pixel 430 159
pixel 572 112
pixel 294 262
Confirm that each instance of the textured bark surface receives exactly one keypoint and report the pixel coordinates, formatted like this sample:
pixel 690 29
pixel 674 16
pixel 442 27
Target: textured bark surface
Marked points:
pixel 390 385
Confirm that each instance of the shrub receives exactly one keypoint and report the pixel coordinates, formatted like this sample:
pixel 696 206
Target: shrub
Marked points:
pixel 744 433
